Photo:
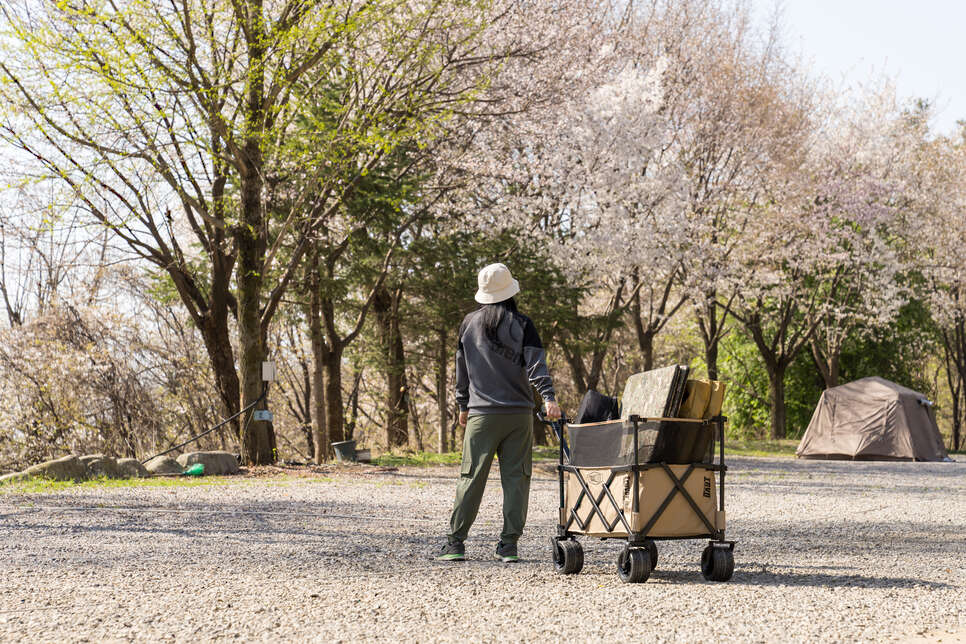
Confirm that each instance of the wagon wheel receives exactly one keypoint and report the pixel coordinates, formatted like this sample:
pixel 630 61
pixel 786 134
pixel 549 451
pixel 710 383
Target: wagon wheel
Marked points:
pixel 568 556
pixel 652 549
pixel 634 565
pixel 717 564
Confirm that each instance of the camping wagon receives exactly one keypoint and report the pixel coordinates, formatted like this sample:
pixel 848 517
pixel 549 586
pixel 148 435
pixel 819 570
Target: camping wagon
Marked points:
pixel 642 480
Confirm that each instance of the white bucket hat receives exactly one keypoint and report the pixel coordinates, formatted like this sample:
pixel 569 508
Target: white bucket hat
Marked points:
pixel 496 284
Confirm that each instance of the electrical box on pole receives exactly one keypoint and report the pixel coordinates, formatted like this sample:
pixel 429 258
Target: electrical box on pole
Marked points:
pixel 268 372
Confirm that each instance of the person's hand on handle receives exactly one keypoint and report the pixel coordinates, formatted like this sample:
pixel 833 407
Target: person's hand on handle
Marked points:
pixel 553 410
pixel 463 416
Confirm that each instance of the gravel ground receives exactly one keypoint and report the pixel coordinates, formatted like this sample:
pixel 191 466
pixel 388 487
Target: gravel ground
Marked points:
pixel 826 551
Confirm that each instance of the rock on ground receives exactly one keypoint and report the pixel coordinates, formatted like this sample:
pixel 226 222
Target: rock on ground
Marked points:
pixel 12 477
pixel 100 465
pixel 79 468
pixel 826 551
pixel 61 469
pixel 163 465
pixel 131 468
pixel 217 463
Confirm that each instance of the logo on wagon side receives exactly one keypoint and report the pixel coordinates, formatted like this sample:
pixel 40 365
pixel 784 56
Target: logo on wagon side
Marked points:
pixel 707 487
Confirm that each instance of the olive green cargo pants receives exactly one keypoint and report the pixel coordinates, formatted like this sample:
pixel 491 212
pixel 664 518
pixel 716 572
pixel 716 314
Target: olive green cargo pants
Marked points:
pixel 510 437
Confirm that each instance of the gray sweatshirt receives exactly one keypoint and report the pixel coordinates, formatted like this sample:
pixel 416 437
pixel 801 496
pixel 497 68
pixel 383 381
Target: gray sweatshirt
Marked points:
pixel 493 378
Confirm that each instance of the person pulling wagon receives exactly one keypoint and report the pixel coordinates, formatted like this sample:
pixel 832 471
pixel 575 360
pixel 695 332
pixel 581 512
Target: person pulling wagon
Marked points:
pixel 498 356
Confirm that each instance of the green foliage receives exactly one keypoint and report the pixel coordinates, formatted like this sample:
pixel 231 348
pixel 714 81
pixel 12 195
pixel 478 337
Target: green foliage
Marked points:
pixel 436 269
pixel 448 265
pixel 161 288
pixel 747 403
pixel 898 352
pixel 440 279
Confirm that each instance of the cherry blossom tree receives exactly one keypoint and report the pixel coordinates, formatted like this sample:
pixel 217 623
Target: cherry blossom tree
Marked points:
pixel 868 153
pixel 589 176
pixel 815 262
pixel 938 234
pixel 727 90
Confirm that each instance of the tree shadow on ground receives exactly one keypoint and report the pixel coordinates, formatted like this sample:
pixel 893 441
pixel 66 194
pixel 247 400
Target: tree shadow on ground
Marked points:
pixel 755 574
pixel 804 467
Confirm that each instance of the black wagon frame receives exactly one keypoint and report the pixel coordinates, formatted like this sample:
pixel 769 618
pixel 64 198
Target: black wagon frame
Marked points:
pixel 639 556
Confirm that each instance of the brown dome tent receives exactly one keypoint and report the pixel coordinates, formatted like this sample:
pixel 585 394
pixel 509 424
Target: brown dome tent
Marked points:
pixel 872 419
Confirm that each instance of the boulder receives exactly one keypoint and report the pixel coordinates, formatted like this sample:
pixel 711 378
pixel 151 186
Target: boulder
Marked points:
pixel 13 477
pixel 216 463
pixel 131 468
pixel 61 469
pixel 99 465
pixel 163 465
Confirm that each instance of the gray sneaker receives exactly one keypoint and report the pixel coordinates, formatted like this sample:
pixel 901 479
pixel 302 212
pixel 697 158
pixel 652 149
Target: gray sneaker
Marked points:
pixel 452 551
pixel 507 552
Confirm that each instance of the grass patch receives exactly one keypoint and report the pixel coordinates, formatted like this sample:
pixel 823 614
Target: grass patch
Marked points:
pixel 418 459
pixel 783 448
pixel 544 453
pixel 48 486
pixel 426 459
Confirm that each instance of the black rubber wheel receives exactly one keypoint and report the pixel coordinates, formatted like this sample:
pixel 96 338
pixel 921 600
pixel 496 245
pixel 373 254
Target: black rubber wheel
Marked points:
pixel 568 556
pixel 717 564
pixel 652 549
pixel 634 565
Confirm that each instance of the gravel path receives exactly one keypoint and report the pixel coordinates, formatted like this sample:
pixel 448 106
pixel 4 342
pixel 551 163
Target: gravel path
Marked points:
pixel 826 551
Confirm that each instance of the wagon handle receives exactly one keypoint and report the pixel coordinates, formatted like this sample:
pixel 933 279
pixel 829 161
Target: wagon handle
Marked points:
pixel 557 426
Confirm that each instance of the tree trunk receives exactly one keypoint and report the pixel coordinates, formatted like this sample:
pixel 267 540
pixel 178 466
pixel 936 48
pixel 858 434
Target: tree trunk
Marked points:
pixel 217 340
pixel 539 429
pixel 597 364
pixel 257 441
pixel 645 342
pixel 709 325
pixel 576 362
pixel 453 427
pixel 319 359
pixel 833 371
pixel 334 419
pixel 442 357
pixel 775 365
pixel 776 390
pixel 352 420
pixel 960 348
pixel 415 431
pixel 385 306
pixel 957 421
pixel 711 359
pixel 308 426
pixel 954 346
pixel 658 314
pixel 602 345
pixel 828 365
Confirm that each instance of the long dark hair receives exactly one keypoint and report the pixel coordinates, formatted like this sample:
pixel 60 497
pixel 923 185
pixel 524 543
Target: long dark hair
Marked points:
pixel 493 316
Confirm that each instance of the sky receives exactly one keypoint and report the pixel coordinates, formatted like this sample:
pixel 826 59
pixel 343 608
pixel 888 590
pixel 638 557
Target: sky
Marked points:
pixel 921 44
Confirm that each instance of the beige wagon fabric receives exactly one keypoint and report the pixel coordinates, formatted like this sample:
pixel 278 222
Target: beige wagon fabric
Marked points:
pixel 678 519
pixel 872 419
